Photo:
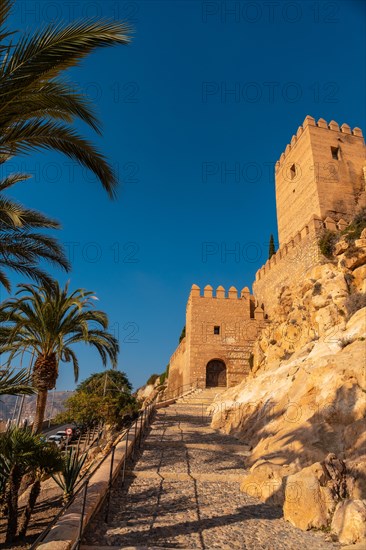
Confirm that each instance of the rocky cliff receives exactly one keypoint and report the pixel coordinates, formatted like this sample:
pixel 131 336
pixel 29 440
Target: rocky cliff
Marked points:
pixel 302 408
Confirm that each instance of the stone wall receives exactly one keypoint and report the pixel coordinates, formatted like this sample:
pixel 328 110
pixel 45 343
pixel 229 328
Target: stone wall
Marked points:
pixel 292 261
pixel 178 372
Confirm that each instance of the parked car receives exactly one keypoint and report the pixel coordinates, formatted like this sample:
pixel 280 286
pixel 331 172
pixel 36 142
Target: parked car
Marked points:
pixel 62 434
pixel 57 439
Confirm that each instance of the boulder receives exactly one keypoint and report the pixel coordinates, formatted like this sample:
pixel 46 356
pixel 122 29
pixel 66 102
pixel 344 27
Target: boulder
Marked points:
pixel 349 521
pixel 359 280
pixel 340 247
pixel 311 495
pixel 266 481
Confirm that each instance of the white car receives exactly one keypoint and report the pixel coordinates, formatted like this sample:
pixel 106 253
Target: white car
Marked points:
pixel 57 439
pixel 62 434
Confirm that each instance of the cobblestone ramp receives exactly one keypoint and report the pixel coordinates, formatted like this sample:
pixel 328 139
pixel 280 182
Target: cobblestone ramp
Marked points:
pixel 183 492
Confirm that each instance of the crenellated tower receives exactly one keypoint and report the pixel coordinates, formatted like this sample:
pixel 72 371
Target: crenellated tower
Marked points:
pixel 220 330
pixel 321 173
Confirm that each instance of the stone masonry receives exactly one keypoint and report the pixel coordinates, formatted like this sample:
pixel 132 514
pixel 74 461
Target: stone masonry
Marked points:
pixel 220 331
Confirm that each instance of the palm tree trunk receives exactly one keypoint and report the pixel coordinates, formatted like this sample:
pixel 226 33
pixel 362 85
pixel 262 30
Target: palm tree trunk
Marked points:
pixel 14 485
pixel 33 495
pixel 40 410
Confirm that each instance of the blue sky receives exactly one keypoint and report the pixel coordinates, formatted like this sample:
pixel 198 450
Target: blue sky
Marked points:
pixel 195 113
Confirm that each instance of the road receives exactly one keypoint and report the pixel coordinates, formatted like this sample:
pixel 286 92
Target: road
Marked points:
pixel 53 431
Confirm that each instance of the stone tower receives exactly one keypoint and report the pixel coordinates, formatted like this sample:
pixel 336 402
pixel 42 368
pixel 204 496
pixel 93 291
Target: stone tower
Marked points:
pixel 319 174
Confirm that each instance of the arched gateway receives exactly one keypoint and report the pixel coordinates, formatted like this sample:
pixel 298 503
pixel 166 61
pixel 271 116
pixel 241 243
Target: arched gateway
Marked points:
pixel 215 374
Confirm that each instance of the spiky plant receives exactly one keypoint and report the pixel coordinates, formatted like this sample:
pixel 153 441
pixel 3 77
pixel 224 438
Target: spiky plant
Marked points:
pixel 17 458
pixel 48 322
pixel 37 106
pixel 70 473
pixel 22 247
pixel 48 461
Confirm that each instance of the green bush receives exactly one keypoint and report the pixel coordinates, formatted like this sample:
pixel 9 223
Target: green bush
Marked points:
pixel 164 375
pixel 355 228
pixel 182 334
pixel 327 242
pixel 152 379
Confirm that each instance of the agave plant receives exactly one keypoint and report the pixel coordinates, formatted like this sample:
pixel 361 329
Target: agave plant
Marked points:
pixel 48 460
pixel 48 322
pixel 22 247
pixel 18 449
pixel 70 473
pixel 37 106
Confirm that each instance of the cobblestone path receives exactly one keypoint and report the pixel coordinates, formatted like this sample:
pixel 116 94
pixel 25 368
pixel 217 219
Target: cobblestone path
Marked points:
pixel 184 493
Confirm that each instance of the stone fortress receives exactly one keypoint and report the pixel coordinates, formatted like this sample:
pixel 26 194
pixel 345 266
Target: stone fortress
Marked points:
pixel 320 184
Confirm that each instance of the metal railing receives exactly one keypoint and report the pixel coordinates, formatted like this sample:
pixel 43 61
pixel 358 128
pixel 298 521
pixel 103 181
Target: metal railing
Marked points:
pixel 137 428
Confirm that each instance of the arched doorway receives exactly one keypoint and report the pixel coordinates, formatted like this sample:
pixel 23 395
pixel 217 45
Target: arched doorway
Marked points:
pixel 215 374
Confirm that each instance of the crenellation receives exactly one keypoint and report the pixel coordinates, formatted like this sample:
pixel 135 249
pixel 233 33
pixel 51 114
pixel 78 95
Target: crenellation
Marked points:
pixel 207 291
pixel 345 129
pixel 220 292
pixel 342 224
pixel 308 121
pixel 330 224
pixel 233 293
pixel 322 123
pixel 333 126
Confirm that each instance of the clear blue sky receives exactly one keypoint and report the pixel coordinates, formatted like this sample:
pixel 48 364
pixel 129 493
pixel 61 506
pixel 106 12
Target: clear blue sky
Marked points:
pixel 204 87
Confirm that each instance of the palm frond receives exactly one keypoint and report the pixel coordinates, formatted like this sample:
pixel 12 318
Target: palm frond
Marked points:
pixel 15 383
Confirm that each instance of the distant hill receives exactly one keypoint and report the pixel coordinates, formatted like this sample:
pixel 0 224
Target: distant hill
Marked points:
pixel 9 405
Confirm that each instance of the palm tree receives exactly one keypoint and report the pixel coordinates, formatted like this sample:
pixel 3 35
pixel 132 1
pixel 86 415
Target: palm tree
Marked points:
pixel 22 247
pixel 37 107
pixel 12 383
pixel 48 322
pixel 48 461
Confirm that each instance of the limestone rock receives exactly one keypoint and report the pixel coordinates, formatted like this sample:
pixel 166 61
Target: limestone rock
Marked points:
pixel 311 495
pixel 267 479
pixel 360 243
pixel 340 247
pixel 308 502
pixel 349 521
pixel 359 280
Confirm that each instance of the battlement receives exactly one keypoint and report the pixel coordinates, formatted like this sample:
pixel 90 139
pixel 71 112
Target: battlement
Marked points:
pixel 314 228
pixel 310 121
pixel 208 292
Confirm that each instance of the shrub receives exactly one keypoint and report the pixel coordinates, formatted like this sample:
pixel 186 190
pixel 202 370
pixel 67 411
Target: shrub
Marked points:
pixel 164 376
pixel 286 355
pixel 152 379
pixel 349 278
pixel 327 242
pixel 182 334
pixel 343 342
pixel 355 228
pixel 317 289
pixel 354 302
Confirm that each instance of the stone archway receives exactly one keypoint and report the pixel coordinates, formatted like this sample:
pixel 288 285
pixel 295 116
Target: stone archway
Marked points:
pixel 215 374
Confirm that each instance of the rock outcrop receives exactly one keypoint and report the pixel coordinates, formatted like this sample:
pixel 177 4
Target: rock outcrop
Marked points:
pixel 302 410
